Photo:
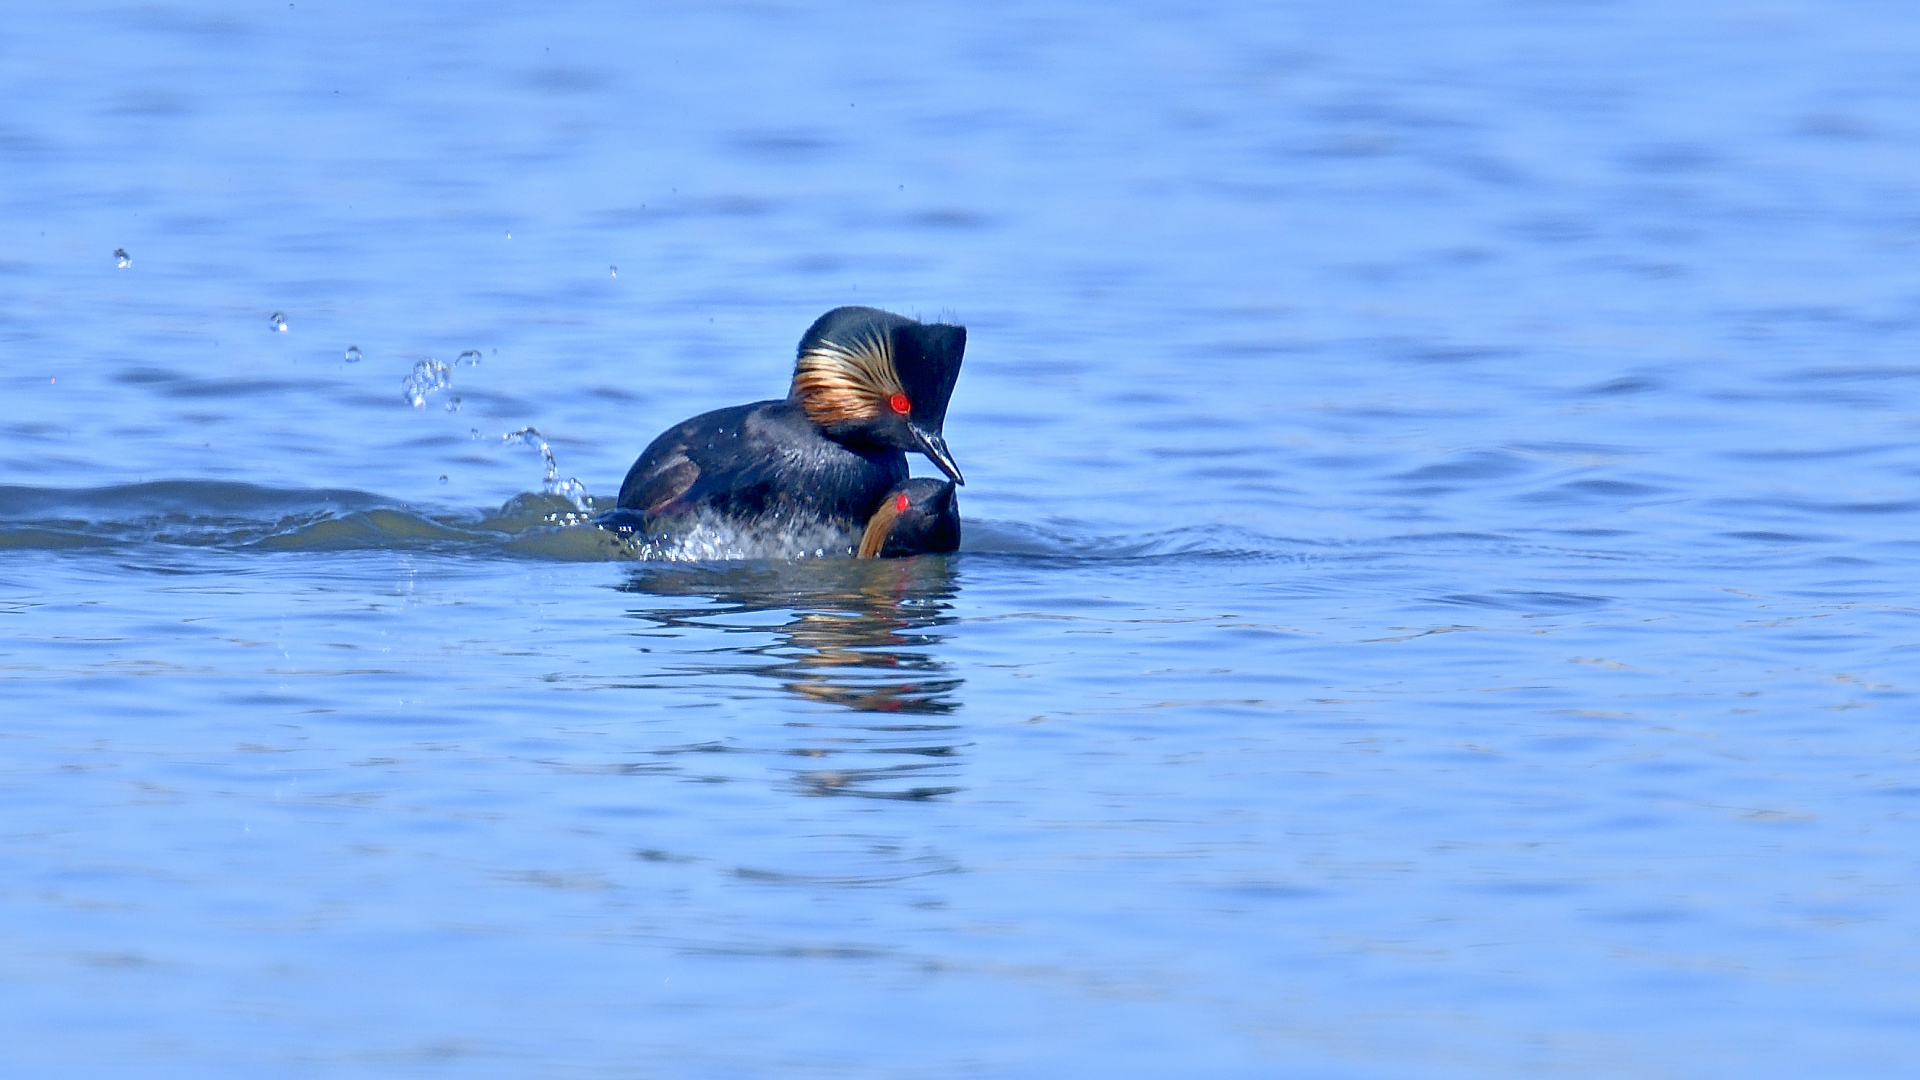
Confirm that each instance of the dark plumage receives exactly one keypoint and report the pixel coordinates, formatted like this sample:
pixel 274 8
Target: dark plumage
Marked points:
pixel 918 517
pixel 867 387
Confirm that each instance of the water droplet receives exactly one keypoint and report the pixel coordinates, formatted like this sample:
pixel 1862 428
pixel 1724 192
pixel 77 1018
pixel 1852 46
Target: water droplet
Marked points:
pixel 121 258
pixel 443 478
pixel 428 376
pixel 453 404
pixel 278 322
pixel 353 354
pixel 613 271
pixel 471 358
pixel 569 489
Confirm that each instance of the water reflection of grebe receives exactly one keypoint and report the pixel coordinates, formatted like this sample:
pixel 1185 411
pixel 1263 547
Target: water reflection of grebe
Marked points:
pixel 857 635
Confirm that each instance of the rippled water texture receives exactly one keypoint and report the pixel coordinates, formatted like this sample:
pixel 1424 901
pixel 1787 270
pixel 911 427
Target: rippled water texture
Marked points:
pixel 1437 597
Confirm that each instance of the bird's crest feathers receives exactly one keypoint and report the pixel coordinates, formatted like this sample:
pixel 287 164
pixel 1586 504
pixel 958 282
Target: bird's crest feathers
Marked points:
pixel 879 527
pixel 839 384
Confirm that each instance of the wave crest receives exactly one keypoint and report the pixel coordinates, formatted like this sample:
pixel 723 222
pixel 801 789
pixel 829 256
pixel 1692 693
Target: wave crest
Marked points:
pixel 547 526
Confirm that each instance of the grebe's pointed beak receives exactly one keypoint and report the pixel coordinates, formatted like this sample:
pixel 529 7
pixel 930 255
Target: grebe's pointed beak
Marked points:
pixel 931 444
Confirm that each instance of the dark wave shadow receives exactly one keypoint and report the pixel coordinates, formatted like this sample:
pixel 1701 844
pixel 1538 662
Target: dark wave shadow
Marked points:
pixel 225 515
pixel 240 517
pixel 858 637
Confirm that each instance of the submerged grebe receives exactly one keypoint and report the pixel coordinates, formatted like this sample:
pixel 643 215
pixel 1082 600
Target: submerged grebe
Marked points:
pixel 918 517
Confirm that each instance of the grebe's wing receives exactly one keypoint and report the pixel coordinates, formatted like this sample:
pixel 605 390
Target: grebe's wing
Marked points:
pixel 692 462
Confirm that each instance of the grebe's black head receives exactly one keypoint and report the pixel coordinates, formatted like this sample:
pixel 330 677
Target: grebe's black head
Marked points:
pixel 869 375
pixel 918 517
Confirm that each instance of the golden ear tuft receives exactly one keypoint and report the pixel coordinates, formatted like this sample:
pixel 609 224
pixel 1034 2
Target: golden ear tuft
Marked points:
pixel 879 526
pixel 837 383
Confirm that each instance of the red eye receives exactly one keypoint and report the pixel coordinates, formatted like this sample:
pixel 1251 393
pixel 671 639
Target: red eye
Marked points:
pixel 900 404
pixel 900 504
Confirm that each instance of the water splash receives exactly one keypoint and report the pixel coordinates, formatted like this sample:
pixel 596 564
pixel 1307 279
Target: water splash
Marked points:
pixel 277 322
pixel 470 358
pixel 569 489
pixel 353 354
pixel 429 376
pixel 121 258
pixel 709 537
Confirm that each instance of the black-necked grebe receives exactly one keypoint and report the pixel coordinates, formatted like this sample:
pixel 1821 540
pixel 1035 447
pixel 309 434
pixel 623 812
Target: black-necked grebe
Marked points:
pixel 918 517
pixel 868 386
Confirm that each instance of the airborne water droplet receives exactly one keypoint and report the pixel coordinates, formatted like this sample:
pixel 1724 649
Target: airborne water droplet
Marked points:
pixel 353 354
pixel 569 489
pixel 443 478
pixel 428 376
pixel 613 271
pixel 121 258
pixel 277 322
pixel 471 358
pixel 453 404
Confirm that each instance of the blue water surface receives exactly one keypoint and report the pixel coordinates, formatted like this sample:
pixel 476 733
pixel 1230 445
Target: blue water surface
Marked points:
pixel 1437 600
